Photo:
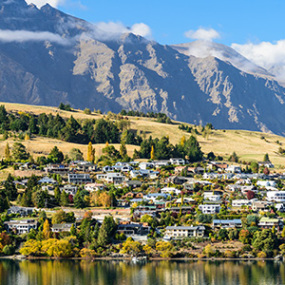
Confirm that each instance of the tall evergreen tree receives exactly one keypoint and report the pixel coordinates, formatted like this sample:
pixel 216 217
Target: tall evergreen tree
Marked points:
pixel 10 188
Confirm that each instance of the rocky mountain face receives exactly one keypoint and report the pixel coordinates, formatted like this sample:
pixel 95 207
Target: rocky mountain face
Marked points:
pixel 48 57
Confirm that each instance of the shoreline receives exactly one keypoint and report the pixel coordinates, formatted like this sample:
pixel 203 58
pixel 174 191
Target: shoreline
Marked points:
pixel 36 258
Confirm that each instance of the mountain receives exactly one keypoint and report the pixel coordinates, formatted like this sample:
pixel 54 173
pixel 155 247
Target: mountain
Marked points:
pixel 48 57
pixel 202 49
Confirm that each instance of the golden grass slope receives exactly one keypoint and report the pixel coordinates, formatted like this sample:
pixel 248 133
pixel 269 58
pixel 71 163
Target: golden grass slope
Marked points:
pixel 248 145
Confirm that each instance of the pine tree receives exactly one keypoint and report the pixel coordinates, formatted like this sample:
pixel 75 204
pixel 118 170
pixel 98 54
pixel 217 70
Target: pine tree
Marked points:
pixel 7 152
pixel 63 198
pixel 10 188
pixel 123 150
pixel 73 230
pixel 46 230
pixel 57 195
pixel 152 153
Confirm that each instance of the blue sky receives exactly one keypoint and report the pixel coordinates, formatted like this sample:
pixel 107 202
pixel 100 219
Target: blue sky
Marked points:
pixel 237 21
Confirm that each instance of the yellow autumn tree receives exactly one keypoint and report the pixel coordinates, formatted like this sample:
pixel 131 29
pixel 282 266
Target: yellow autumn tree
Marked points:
pixel 27 137
pixel 90 153
pixel 46 230
pixel 152 153
pixel 182 142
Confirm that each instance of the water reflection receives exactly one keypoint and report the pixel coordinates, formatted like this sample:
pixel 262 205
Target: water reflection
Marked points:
pixel 154 273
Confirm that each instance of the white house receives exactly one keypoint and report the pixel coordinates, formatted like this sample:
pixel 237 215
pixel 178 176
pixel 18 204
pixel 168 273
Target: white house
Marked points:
pixel 180 232
pixel 212 197
pixel 177 161
pixel 233 169
pixel 276 196
pixel 241 202
pixel 22 226
pixel 266 183
pixel 146 165
pixel 78 178
pixel 112 177
pixel 94 187
pixel 70 189
pixel 210 208
pixel 170 190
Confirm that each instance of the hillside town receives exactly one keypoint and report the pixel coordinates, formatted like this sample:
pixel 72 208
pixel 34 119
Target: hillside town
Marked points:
pixel 152 208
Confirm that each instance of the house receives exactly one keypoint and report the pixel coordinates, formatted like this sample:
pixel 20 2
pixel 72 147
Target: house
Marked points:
pixel 241 202
pixel 160 163
pixel 111 177
pixel 133 195
pixel 280 207
pixel 79 178
pixel 233 169
pixel 60 228
pixel 57 169
pixel 260 205
pixel 170 190
pixel 225 224
pixel 69 189
pixel 146 165
pixel 180 232
pixel 84 166
pixel 47 180
pixel 156 196
pixel 276 196
pixel 179 180
pixel 267 164
pixel 139 213
pixel 195 170
pixel 210 208
pixel 94 187
pixel 22 226
pixel 131 229
pixel 266 183
pixel 108 168
pixel 215 165
pixel 177 161
pixel 269 223
pixel 22 211
pixel 132 183
pixel 213 197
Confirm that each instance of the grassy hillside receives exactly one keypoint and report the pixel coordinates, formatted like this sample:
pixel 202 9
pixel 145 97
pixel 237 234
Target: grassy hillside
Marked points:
pixel 247 144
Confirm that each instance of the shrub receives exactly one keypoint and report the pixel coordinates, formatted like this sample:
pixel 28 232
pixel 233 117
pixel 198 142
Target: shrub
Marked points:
pixel 261 254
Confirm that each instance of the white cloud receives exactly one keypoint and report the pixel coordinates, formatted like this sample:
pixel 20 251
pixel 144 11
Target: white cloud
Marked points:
pixel 113 30
pixel 202 34
pixel 141 29
pixel 40 3
pixel 23 36
pixel 268 55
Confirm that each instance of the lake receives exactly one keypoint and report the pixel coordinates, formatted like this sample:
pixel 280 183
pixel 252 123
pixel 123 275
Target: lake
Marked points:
pixel 69 272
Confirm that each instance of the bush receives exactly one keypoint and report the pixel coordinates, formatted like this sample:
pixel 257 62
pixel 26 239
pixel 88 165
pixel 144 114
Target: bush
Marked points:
pixel 8 249
pixel 261 254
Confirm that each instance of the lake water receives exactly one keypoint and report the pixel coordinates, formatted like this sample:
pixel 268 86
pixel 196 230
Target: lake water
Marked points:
pixel 154 273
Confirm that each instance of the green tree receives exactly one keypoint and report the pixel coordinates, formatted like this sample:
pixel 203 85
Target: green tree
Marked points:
pixel 76 154
pixel 106 231
pixel 64 198
pixel 193 150
pixel 10 188
pixel 55 156
pixel 266 157
pixel 254 167
pixel 19 152
pixel 7 152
